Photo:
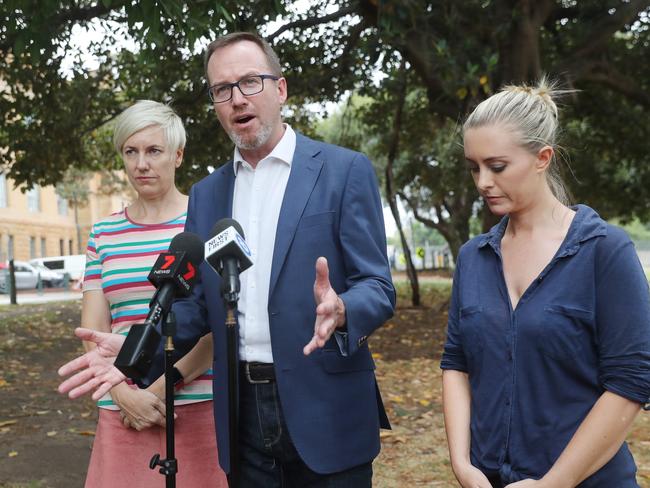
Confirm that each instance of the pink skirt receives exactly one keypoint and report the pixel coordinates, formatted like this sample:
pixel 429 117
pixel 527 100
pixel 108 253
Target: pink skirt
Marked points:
pixel 120 456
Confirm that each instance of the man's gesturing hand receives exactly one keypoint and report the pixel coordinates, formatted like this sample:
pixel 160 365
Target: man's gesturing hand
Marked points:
pixel 96 370
pixel 330 309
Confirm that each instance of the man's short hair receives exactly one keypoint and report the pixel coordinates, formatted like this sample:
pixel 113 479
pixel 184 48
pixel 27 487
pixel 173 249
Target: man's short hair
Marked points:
pixel 235 37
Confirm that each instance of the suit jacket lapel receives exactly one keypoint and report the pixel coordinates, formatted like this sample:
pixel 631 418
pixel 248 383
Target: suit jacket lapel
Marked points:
pixel 305 169
pixel 224 190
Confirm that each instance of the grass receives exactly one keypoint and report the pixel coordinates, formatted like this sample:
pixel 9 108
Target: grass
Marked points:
pixel 416 454
pixel 432 292
pixel 31 484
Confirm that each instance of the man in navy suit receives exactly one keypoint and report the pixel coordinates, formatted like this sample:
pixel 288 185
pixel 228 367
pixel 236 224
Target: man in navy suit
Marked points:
pixel 302 204
pixel 310 409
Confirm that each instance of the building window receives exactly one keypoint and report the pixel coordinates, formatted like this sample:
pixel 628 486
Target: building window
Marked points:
pixel 43 247
pixel 70 247
pixel 34 199
pixel 32 247
pixel 3 190
pixel 61 205
pixel 61 247
pixel 10 247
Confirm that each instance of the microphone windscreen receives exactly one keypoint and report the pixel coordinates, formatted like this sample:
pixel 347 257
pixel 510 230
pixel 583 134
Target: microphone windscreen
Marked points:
pixel 191 244
pixel 223 224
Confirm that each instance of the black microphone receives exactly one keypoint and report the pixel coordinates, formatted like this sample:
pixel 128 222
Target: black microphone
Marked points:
pixel 173 274
pixel 228 255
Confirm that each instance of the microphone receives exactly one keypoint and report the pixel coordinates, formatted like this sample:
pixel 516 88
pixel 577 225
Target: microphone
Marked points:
pixel 173 274
pixel 227 253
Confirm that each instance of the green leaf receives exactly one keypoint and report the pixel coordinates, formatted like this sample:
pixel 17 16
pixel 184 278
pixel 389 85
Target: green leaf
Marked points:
pixel 226 15
pixel 19 46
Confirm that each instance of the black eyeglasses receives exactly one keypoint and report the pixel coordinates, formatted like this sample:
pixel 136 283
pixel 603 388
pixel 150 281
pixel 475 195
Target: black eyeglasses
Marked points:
pixel 250 85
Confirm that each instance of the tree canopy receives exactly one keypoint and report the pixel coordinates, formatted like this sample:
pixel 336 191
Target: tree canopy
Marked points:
pixel 453 55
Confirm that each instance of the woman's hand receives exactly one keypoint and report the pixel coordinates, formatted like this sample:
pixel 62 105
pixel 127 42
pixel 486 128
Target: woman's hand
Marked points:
pixel 139 409
pixel 471 477
pixel 94 371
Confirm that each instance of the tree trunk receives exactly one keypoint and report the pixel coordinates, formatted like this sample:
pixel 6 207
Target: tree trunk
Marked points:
pixel 488 219
pixel 391 195
pixel 77 226
pixel 454 229
pixel 411 272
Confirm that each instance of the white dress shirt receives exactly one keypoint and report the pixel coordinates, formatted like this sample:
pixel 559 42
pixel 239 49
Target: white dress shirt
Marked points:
pixel 257 200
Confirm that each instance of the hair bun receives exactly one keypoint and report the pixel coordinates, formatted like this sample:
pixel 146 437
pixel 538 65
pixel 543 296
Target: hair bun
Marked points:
pixel 545 90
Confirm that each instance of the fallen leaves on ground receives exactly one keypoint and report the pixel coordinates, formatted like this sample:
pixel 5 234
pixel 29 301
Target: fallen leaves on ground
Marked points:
pixel 406 351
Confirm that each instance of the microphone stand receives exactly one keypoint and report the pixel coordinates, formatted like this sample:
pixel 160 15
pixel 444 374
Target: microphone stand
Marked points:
pixel 230 292
pixel 232 344
pixel 168 466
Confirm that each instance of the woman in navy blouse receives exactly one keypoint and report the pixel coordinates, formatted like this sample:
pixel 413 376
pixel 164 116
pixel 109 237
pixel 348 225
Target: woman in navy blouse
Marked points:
pixel 547 360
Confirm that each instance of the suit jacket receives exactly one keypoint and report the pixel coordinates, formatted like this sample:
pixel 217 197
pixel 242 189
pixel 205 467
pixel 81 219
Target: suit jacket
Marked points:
pixel 331 208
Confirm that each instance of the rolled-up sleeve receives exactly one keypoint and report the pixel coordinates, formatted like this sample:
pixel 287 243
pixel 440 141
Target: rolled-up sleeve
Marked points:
pixel 622 319
pixel 453 356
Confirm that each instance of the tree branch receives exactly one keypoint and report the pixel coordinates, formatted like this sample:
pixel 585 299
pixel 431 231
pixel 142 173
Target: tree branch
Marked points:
pixel 602 31
pixel 419 58
pixel 78 14
pixel 617 81
pixel 390 183
pixel 426 221
pixel 559 14
pixel 353 39
pixel 312 21
pixel 100 123
pixel 88 13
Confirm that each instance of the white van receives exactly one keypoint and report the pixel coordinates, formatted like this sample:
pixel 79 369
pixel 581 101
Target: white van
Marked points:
pixel 73 265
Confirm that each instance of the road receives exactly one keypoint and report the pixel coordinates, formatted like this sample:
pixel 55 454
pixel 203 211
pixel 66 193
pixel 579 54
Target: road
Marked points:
pixel 47 295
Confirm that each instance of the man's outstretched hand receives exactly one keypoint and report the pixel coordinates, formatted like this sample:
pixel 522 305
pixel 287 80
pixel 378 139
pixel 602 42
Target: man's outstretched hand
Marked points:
pixel 94 370
pixel 330 309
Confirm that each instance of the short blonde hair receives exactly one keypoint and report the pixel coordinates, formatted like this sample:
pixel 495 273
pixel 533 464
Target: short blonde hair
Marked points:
pixel 147 113
pixel 532 113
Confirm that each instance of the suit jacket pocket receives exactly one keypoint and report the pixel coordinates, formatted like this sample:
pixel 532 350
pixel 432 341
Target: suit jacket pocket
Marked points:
pixel 333 362
pixel 324 218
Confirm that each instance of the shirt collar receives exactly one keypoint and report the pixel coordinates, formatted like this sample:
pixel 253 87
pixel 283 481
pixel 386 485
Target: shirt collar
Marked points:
pixel 585 225
pixel 283 150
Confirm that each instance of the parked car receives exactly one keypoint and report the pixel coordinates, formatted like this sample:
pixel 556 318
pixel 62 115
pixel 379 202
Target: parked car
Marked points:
pixel 27 276
pixel 49 277
pixel 74 265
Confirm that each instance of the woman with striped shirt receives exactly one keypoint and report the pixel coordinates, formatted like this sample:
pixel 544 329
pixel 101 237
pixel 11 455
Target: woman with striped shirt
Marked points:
pixel 150 138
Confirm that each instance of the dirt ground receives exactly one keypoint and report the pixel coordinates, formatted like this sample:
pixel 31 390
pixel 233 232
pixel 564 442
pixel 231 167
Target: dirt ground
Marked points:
pixel 45 439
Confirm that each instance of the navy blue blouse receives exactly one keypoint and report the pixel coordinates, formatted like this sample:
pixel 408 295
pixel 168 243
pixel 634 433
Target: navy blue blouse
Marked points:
pixel 582 327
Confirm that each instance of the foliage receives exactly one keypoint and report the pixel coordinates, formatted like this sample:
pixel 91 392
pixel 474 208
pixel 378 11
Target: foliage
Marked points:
pixel 421 234
pixel 638 232
pixel 74 186
pixel 455 54
pixel 51 117
pixel 458 53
